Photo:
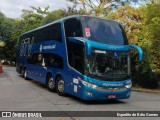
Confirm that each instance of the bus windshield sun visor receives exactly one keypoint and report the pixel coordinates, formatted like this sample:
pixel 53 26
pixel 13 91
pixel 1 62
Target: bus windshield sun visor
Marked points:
pixel 91 44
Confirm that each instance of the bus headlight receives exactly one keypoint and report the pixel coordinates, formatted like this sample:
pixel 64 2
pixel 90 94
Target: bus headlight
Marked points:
pixel 89 84
pixel 129 85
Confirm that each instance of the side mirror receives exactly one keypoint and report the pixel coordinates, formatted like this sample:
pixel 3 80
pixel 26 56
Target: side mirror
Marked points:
pixel 140 51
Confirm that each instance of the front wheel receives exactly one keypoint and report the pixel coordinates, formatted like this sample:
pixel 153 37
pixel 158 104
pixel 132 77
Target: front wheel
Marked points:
pixel 60 86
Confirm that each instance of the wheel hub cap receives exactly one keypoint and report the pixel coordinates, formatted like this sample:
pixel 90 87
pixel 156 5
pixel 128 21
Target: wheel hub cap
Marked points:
pixel 51 83
pixel 61 86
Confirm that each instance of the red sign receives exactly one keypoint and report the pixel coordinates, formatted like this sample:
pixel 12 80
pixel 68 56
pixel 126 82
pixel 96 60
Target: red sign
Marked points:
pixel 87 31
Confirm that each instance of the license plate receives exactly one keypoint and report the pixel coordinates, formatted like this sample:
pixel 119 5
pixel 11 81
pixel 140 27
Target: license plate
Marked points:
pixel 111 96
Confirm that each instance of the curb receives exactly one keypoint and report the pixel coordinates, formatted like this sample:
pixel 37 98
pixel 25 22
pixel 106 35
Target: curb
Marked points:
pixel 154 91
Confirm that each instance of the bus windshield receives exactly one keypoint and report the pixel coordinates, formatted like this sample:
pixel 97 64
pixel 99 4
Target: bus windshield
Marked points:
pixel 108 65
pixel 103 31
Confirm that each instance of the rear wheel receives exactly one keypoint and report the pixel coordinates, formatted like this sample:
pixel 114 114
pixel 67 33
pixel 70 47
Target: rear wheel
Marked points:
pixel 25 74
pixel 60 86
pixel 50 84
pixel 22 72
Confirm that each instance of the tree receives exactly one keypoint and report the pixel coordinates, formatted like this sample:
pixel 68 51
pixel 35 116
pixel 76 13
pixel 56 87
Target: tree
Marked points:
pixel 132 21
pixel 152 35
pixel 61 13
pixel 30 19
pixel 54 15
pixel 142 26
pixel 7 45
pixel 99 7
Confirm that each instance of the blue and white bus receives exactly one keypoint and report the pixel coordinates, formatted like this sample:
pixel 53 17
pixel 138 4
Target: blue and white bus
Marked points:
pixel 87 57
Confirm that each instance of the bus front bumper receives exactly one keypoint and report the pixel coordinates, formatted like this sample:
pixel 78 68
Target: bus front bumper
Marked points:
pixel 105 94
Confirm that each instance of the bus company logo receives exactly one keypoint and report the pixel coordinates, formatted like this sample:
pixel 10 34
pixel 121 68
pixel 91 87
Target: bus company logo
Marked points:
pixel 100 51
pixel 112 84
pixel 40 48
pixel 49 47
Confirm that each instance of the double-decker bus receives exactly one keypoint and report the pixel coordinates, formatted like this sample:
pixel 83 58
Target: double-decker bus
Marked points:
pixel 87 57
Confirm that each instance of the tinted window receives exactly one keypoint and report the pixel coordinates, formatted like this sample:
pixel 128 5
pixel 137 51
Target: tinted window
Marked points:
pixel 51 32
pixel 104 31
pixel 53 60
pixel 73 27
pixel 76 56
pixel 46 59
pixel 33 58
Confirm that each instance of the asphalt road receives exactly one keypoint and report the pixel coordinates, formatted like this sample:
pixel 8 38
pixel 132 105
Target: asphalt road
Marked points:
pixel 17 94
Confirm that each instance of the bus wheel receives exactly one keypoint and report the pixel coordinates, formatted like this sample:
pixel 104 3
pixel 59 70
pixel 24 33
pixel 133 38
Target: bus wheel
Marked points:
pixel 60 86
pixel 50 84
pixel 25 74
pixel 22 72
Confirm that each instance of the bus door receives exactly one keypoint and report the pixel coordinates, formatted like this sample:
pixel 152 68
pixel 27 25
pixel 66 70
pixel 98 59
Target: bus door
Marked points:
pixel 76 66
pixel 73 74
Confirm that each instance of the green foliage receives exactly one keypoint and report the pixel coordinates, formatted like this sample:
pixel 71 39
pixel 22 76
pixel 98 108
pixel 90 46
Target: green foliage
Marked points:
pixel 131 20
pixel 10 30
pixel 61 13
pixel 152 35
pixel 54 15
pixel 31 19
pixel 7 47
pixel 100 7
pixel 142 26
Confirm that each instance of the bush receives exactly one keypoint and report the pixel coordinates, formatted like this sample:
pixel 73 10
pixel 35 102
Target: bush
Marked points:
pixel 146 80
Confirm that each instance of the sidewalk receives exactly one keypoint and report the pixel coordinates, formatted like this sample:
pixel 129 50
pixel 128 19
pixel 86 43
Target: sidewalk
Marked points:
pixel 155 91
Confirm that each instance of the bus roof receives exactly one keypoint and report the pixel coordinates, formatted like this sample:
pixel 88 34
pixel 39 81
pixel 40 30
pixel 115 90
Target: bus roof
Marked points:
pixel 62 19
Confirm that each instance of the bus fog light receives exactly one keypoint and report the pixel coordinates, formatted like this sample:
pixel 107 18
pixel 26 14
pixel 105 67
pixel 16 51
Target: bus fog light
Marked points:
pixel 129 85
pixel 88 93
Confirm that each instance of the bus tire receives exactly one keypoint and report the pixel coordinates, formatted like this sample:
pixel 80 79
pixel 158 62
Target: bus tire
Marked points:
pixel 60 86
pixel 22 72
pixel 25 74
pixel 50 84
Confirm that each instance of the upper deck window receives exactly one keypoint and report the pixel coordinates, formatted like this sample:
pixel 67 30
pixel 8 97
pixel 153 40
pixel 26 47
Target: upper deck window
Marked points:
pixel 103 31
pixel 73 27
pixel 51 32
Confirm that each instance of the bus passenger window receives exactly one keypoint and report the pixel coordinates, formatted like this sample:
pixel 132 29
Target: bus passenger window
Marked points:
pixel 32 59
pixel 53 63
pixel 39 62
pixel 73 28
pixel 53 60
pixel 29 59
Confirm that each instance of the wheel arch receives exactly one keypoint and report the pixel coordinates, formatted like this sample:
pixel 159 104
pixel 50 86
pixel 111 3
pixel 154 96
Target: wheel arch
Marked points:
pixel 49 73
